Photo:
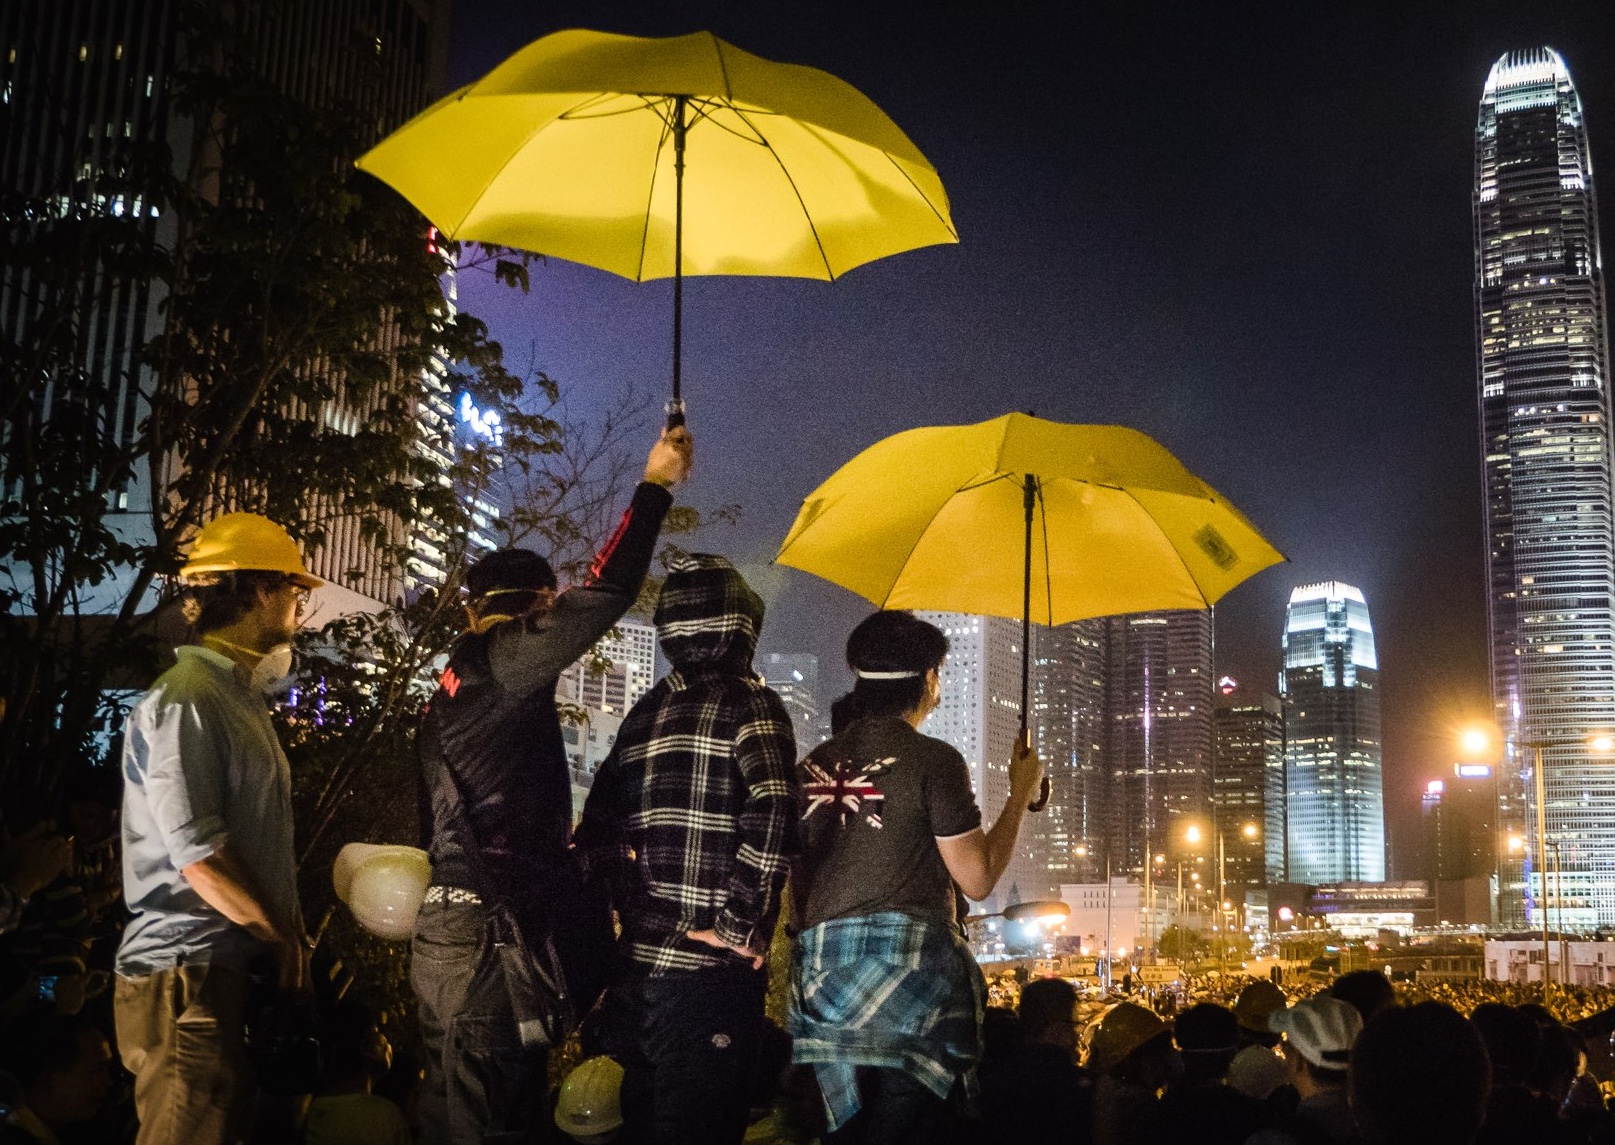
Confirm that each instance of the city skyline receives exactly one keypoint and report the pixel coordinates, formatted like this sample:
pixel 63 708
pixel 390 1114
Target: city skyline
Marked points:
pixel 1234 257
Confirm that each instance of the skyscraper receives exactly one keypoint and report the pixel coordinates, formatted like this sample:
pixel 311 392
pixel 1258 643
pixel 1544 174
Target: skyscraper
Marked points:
pixel 1334 785
pixel 1068 730
pixel 794 676
pixel 615 673
pixel 88 87
pixel 1158 755
pixel 1545 414
pixel 980 716
pixel 1247 784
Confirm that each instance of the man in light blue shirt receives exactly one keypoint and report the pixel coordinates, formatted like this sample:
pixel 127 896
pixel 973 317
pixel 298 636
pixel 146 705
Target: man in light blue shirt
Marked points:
pixel 209 870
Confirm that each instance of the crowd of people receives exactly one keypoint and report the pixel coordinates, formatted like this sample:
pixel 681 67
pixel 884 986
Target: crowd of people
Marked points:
pixel 157 974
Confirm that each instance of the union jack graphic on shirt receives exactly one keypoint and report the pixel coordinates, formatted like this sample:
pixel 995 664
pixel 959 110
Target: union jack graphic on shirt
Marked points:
pixel 847 787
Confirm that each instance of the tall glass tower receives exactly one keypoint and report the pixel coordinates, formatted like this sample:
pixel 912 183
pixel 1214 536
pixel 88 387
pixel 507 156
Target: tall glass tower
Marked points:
pixel 1334 786
pixel 1545 416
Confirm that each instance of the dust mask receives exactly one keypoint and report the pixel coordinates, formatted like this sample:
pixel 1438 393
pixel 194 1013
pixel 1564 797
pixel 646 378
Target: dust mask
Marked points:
pixel 273 669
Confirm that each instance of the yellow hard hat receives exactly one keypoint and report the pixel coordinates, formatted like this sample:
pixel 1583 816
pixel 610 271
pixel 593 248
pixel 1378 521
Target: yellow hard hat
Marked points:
pixel 383 885
pixel 246 541
pixel 590 1109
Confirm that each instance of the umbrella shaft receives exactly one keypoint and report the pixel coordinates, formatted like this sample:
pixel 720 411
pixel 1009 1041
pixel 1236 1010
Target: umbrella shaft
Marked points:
pixel 1030 502
pixel 678 243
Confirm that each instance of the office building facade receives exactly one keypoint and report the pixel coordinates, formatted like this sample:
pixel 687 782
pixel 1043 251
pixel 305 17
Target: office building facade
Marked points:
pixel 794 676
pixel 87 88
pixel 1159 739
pixel 1247 784
pixel 1545 411
pixel 980 716
pixel 1335 788
pixel 1068 730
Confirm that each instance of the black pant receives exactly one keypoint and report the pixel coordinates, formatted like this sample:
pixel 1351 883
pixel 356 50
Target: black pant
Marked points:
pixel 481 1084
pixel 688 1045
pixel 894 1109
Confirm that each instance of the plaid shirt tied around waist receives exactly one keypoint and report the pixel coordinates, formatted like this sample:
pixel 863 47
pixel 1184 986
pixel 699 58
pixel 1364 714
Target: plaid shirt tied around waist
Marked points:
pixel 885 990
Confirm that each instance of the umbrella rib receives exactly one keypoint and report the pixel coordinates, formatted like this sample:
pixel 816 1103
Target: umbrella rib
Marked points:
pixel 509 159
pixel 1186 570
pixel 723 66
pixel 989 481
pixel 923 532
pixel 650 197
pixel 1048 587
pixel 812 227
pixel 926 199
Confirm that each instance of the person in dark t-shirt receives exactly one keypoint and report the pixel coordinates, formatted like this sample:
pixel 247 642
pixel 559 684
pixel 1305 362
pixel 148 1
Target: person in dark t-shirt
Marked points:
pixel 886 998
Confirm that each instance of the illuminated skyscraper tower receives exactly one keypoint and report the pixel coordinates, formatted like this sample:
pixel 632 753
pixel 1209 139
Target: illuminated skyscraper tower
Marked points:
pixel 1335 791
pixel 1545 416
pixel 1159 746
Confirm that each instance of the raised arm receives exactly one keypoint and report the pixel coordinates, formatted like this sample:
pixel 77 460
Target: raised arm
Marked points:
pixel 977 859
pixel 530 654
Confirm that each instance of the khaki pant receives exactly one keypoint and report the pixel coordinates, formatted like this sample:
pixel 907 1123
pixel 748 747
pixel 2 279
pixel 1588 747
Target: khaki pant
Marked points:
pixel 182 1032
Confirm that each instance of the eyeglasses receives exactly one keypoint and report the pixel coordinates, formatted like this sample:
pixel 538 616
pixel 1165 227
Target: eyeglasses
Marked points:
pixel 299 591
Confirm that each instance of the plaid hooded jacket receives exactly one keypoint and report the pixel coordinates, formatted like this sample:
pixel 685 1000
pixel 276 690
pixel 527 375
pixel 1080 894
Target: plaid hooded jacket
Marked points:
pixel 694 810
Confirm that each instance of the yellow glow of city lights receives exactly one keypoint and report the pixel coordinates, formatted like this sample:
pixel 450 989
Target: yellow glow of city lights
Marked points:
pixel 1081 849
pixel 1474 741
pixel 1602 744
pixel 1192 834
pixel 1160 858
pixel 1515 843
pixel 1248 830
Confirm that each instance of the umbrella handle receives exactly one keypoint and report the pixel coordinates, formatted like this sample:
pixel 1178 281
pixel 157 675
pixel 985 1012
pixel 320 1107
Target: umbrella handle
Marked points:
pixel 675 413
pixel 1045 788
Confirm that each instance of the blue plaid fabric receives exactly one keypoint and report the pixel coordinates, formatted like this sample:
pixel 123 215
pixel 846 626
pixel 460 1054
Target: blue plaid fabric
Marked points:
pixel 885 990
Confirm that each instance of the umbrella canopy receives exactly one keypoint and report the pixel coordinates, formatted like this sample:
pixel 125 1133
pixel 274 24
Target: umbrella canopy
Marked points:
pixel 568 149
pixel 936 518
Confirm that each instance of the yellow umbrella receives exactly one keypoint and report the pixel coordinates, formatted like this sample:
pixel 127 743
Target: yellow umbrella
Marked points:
pixel 576 146
pixel 1027 518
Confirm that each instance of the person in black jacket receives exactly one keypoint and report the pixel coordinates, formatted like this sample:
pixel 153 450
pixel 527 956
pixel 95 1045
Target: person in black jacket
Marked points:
pixel 506 952
pixel 694 813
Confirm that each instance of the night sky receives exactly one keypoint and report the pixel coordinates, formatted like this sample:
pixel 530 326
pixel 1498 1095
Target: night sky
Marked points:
pixel 1244 230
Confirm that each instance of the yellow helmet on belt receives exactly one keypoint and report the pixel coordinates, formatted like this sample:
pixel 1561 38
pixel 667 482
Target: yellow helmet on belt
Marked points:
pixel 589 1108
pixel 239 542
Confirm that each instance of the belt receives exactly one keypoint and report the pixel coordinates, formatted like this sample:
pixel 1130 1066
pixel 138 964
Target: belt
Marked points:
pixel 451 894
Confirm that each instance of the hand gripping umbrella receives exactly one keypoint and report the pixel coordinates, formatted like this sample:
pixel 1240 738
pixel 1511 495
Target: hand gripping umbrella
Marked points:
pixel 652 158
pixel 1022 517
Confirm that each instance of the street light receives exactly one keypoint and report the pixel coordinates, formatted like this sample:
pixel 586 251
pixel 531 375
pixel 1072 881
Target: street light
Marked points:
pixel 1193 834
pixel 1032 915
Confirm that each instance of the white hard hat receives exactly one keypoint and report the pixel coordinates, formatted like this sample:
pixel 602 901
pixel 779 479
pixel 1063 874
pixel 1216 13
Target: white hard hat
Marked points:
pixel 589 1109
pixel 383 885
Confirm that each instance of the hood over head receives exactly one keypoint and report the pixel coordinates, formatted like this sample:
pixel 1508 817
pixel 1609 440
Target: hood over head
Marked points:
pixel 708 617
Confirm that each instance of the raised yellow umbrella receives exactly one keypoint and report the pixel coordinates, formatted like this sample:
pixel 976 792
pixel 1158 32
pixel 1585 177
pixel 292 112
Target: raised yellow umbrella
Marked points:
pixel 1028 518
pixel 652 158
